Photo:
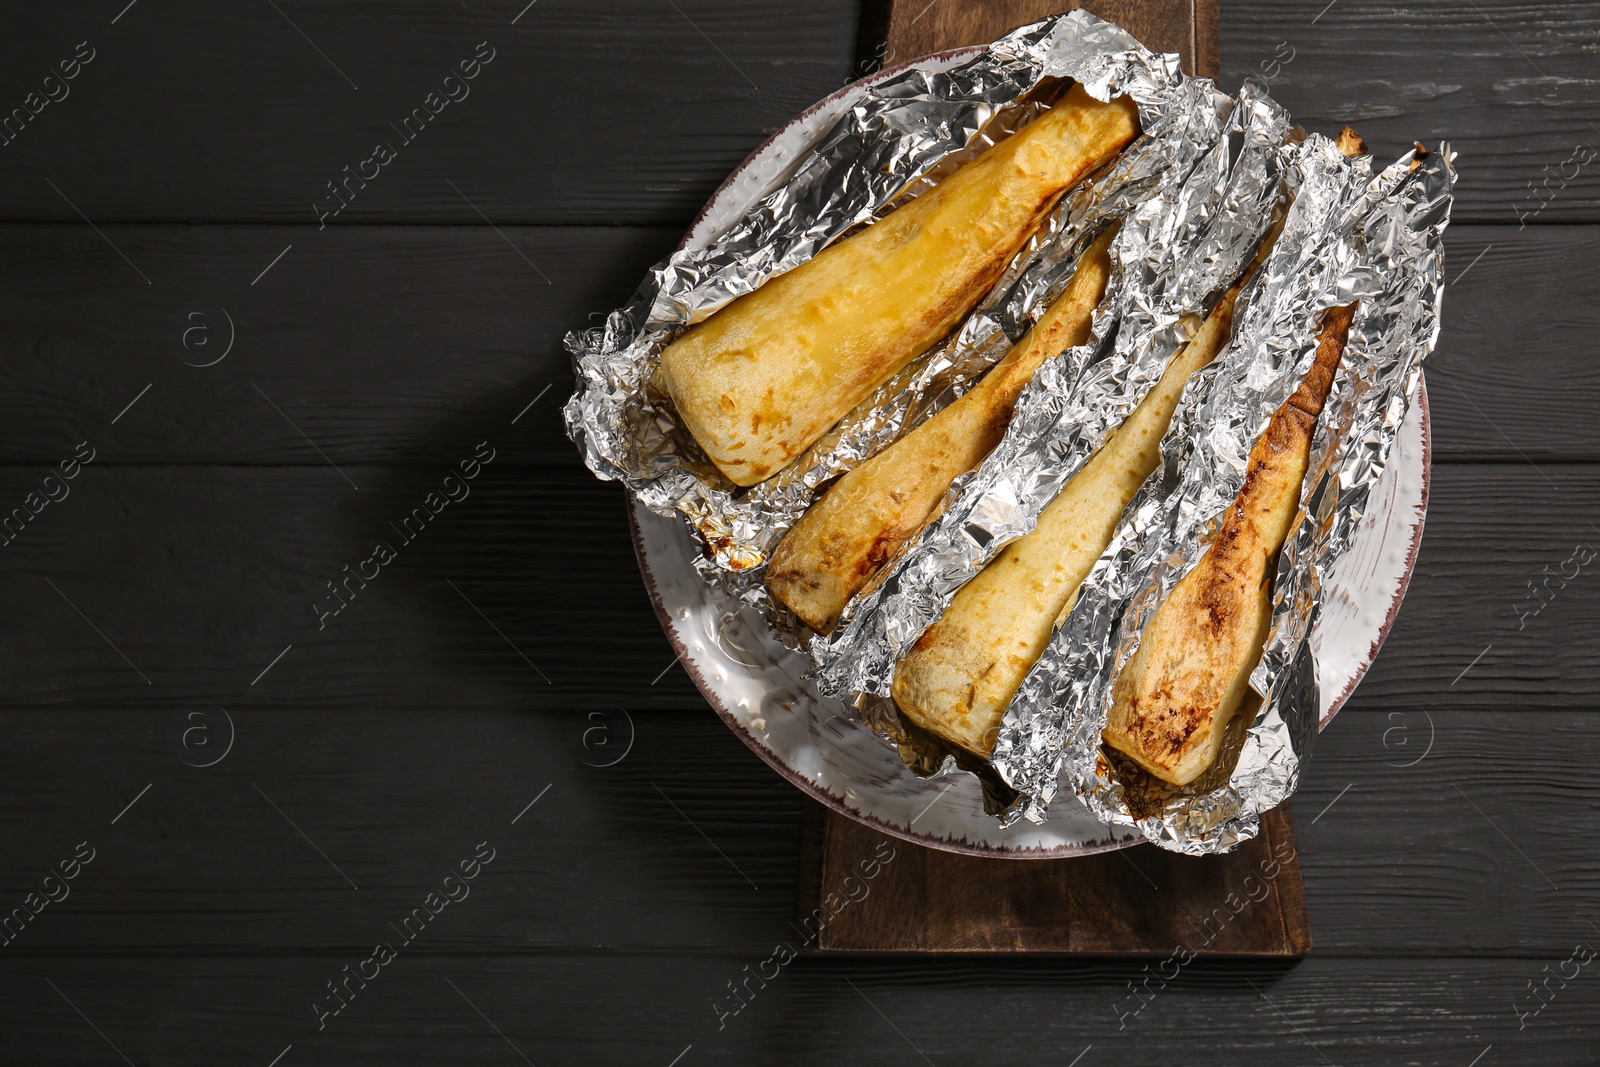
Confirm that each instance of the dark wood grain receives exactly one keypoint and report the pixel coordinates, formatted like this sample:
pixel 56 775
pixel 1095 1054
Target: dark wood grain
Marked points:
pixel 1472 626
pixel 1510 86
pixel 233 559
pixel 602 112
pixel 1187 27
pixel 608 928
pixel 1395 861
pixel 879 894
pixel 621 1008
pixel 380 343
pixel 385 344
pixel 1415 820
pixel 620 112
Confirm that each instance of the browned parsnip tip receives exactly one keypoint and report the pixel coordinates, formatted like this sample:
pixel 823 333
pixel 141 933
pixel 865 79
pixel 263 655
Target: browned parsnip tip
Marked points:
pixel 1174 697
pixel 1350 143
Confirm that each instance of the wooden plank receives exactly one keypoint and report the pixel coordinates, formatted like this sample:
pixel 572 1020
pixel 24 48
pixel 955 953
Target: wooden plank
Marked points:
pixel 1187 27
pixel 882 895
pixel 1423 827
pixel 236 562
pixel 588 856
pixel 1510 86
pixel 1395 861
pixel 629 1009
pixel 380 344
pixel 1478 629
pixel 616 112
pixel 394 344
pixel 606 112
pixel 1515 364
pixel 232 561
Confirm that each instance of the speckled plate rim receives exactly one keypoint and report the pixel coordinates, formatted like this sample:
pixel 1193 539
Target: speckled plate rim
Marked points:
pixel 745 185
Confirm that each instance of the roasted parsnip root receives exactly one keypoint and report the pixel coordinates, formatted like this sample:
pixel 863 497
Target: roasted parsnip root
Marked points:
pixel 960 675
pixel 845 537
pixel 770 373
pixel 1173 699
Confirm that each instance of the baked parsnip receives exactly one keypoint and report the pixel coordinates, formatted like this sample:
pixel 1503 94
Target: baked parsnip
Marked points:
pixel 770 373
pixel 845 537
pixel 1173 699
pixel 960 675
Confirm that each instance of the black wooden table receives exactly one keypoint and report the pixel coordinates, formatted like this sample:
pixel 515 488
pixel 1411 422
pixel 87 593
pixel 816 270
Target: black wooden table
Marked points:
pixel 271 797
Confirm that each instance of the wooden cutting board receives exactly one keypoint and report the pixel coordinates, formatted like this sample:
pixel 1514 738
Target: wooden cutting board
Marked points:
pixel 861 891
pixel 893 31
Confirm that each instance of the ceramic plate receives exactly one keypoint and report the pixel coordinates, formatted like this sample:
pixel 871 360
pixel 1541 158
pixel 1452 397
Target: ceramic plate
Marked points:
pixel 760 688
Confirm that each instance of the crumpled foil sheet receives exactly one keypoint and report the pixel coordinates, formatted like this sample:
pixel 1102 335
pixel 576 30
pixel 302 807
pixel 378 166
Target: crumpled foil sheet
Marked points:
pixel 1349 236
pixel 1195 194
pixel 1175 253
pixel 872 158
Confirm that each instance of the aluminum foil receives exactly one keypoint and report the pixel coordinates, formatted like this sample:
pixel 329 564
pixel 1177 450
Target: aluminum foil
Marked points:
pixel 1194 195
pixel 1175 253
pixel 898 133
pixel 1349 236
